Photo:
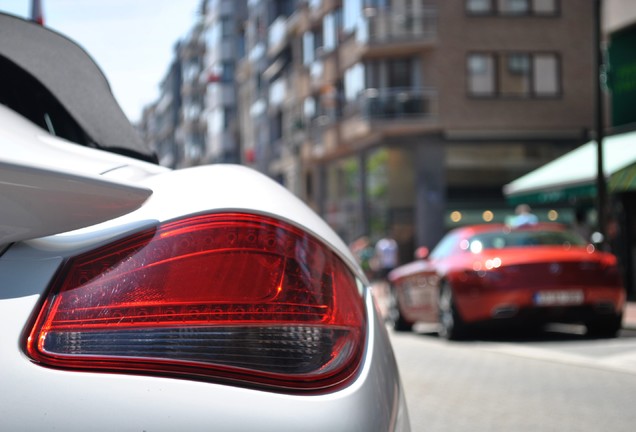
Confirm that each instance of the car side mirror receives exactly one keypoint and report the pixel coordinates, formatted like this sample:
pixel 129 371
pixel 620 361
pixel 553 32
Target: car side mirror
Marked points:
pixel 421 253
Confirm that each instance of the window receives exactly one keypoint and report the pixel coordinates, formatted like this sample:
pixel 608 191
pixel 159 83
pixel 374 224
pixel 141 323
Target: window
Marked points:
pixel 227 29
pixel 399 73
pixel 308 48
pixel 445 247
pixel 513 74
pixel 546 74
pixel 481 74
pixel 479 7
pixel 221 118
pixel 329 32
pixel 227 72
pixel 277 92
pixel 311 43
pixel 512 7
pixel 309 108
pixel 544 7
pixel 332 25
pixel 283 8
pixel 351 17
pixel 354 82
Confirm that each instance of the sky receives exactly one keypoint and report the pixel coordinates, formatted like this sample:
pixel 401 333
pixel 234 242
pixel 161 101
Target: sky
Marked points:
pixel 131 40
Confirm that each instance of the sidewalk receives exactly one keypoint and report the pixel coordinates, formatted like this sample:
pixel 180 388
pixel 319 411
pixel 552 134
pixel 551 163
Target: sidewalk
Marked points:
pixel 629 316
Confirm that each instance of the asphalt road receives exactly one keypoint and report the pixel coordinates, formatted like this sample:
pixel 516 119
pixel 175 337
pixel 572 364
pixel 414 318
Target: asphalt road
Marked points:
pixel 558 380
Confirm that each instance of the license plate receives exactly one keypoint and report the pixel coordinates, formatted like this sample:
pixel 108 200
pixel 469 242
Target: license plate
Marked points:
pixel 418 296
pixel 558 298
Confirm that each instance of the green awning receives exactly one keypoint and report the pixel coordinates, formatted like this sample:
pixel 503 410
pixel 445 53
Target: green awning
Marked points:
pixel 572 177
pixel 624 179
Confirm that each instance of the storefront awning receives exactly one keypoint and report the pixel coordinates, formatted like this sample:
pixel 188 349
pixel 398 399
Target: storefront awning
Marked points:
pixel 572 177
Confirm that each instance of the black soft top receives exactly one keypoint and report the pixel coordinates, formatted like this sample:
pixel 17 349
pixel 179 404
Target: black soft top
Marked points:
pixel 52 81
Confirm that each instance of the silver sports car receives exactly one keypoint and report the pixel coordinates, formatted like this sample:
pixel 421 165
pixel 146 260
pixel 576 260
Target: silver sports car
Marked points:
pixel 134 297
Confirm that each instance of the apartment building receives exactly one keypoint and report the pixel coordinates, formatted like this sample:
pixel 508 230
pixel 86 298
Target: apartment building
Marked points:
pixel 192 125
pixel 405 117
pixel 160 120
pixel 265 80
pixel 399 117
pixel 194 121
pixel 223 37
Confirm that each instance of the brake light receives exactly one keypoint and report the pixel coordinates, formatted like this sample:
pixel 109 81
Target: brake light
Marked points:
pixel 235 297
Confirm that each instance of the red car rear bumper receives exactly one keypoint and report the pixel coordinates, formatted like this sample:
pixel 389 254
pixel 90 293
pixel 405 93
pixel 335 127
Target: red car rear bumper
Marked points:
pixel 548 304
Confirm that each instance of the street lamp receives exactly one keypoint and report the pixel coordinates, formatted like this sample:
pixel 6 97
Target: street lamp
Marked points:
pixel 601 187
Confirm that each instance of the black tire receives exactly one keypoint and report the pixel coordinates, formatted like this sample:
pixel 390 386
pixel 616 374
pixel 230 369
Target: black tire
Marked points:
pixel 605 327
pixel 395 314
pixel 450 323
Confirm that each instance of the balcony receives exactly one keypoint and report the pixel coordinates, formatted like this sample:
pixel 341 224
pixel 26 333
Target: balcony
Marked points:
pixel 397 103
pixel 387 112
pixel 392 32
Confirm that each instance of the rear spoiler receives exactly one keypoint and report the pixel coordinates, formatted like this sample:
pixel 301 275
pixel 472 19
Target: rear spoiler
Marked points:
pixel 74 80
pixel 38 201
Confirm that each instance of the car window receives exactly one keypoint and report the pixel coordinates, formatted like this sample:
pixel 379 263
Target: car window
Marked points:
pixel 445 247
pixel 501 240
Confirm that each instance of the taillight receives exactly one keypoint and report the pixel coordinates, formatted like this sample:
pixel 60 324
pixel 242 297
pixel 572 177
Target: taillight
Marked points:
pixel 236 297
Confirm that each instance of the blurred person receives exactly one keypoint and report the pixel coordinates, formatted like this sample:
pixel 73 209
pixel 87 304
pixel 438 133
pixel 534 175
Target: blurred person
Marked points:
pixel 524 216
pixel 386 253
pixel 581 226
pixel 363 251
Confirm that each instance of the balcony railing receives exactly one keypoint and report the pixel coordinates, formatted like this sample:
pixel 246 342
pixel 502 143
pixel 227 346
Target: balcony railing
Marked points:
pixel 393 103
pixel 388 25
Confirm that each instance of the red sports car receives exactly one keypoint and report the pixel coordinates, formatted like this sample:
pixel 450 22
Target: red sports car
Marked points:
pixel 494 273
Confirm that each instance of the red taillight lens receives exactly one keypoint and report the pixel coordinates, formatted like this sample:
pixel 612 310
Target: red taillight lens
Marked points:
pixel 223 296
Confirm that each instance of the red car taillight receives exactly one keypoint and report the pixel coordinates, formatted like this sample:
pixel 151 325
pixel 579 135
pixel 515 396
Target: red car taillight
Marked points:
pixel 235 297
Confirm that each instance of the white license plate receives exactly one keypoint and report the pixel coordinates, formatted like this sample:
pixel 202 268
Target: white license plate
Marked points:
pixel 558 298
pixel 417 296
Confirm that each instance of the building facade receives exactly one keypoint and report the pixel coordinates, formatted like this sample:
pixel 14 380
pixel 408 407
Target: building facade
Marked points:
pixel 160 120
pixel 223 38
pixel 574 179
pixel 389 117
pixel 405 117
pixel 194 121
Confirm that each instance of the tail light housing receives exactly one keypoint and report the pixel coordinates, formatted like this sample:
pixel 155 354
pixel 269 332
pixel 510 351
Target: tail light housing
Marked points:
pixel 223 297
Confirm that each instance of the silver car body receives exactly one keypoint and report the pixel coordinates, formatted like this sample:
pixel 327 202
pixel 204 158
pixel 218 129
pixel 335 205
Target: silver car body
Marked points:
pixel 44 180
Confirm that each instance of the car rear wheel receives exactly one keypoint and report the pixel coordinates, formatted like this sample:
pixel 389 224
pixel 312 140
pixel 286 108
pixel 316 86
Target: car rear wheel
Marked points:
pixel 451 325
pixel 604 327
pixel 395 314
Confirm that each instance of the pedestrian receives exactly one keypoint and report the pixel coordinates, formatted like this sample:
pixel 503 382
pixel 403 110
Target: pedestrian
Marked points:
pixel 581 226
pixel 386 251
pixel 524 216
pixel 363 251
